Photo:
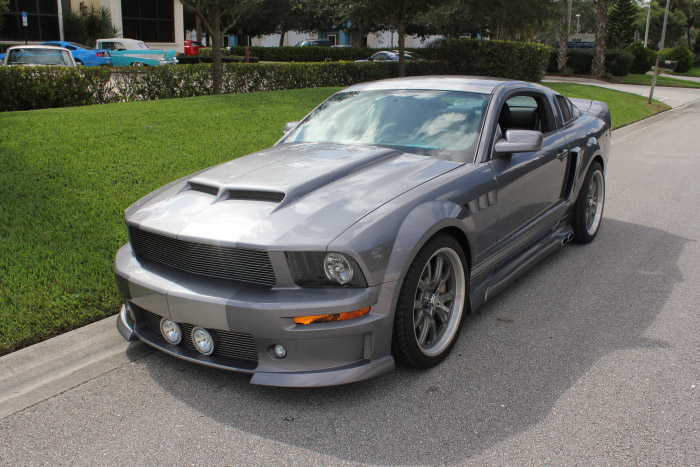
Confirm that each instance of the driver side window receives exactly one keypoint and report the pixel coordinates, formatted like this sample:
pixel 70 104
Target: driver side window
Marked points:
pixel 525 112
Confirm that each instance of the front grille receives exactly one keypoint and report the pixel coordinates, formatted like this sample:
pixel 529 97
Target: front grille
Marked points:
pixel 229 344
pixel 237 264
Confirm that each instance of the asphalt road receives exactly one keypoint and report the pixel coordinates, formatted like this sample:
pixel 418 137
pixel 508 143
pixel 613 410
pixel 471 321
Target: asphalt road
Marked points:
pixel 592 358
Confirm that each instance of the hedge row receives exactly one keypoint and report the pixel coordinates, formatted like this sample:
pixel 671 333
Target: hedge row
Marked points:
pixel 298 54
pixel 26 88
pixel 192 59
pixel 516 60
pixel 618 62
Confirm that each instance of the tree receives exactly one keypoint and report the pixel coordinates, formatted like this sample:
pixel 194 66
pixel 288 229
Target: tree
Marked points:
pixel 371 15
pixel 601 23
pixel 621 19
pixel 86 29
pixel 218 17
pixel 675 28
pixel 563 36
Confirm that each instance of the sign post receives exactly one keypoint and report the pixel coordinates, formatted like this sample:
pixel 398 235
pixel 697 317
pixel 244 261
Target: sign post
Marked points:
pixel 25 24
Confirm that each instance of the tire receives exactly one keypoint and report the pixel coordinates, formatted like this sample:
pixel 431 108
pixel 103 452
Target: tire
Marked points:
pixel 588 210
pixel 137 64
pixel 430 307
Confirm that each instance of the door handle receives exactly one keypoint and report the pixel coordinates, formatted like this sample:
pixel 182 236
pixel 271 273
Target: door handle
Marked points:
pixel 562 153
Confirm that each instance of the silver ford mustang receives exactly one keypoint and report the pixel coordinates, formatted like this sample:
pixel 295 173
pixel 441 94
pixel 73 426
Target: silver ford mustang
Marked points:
pixel 367 232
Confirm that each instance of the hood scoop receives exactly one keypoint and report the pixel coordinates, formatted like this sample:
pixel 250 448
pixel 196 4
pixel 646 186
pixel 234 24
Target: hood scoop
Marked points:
pixel 254 195
pixel 236 194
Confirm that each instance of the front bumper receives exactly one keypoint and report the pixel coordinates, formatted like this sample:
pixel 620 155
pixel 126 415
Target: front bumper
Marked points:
pixel 320 354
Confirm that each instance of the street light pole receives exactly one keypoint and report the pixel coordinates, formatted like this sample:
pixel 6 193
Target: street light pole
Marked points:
pixel 646 33
pixel 658 55
pixel 578 21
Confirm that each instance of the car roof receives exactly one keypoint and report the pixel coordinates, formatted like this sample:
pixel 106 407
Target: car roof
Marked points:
pixel 477 84
pixel 37 47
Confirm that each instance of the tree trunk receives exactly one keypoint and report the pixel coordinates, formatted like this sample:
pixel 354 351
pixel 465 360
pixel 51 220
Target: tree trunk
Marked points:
pixel 402 48
pixel 198 23
pixel 601 24
pixel 215 25
pixel 563 54
pixel 282 37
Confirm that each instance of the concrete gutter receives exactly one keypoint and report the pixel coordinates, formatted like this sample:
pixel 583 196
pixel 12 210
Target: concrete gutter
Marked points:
pixel 33 374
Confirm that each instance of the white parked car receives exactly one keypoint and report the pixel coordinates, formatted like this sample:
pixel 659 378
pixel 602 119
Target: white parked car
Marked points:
pixel 38 55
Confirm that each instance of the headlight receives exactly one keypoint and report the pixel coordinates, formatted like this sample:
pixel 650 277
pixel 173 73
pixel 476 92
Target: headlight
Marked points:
pixel 320 269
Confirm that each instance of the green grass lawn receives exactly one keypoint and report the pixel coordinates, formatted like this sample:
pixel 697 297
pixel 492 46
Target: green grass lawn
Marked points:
pixel 692 72
pixel 68 174
pixel 625 108
pixel 660 81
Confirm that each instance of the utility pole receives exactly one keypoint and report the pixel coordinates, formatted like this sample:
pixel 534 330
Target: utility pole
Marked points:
pixel 658 56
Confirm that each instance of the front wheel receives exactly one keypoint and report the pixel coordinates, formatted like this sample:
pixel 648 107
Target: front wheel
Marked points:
pixel 431 304
pixel 588 210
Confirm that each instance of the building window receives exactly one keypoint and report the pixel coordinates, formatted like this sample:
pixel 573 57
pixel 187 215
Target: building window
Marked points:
pixel 151 21
pixel 42 20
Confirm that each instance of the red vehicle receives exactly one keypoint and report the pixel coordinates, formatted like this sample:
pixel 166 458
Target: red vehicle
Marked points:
pixel 192 47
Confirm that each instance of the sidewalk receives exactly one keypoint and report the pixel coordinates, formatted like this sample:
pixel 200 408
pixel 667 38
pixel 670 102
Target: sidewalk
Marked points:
pixel 675 97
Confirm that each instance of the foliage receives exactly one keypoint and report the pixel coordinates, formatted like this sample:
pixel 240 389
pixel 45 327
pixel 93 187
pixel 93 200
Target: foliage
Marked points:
pixel 192 59
pixel 516 60
pixel 299 54
pixel 218 17
pixel 618 62
pixel 682 55
pixel 580 61
pixel 644 58
pixel 621 19
pixel 87 29
pixel 26 88
pixel 675 27
pixel 696 50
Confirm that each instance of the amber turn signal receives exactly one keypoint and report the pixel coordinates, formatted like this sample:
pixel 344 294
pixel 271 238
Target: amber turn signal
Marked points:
pixel 332 317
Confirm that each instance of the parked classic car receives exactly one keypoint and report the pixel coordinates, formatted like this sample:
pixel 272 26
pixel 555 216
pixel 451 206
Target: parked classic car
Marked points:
pixel 137 53
pixel 192 47
pixel 38 55
pixel 83 54
pixel 367 232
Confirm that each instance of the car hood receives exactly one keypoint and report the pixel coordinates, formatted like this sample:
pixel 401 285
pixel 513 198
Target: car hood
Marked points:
pixel 291 196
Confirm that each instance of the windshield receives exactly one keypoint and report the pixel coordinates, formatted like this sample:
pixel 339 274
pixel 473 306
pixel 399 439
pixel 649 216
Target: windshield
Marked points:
pixel 443 124
pixel 47 56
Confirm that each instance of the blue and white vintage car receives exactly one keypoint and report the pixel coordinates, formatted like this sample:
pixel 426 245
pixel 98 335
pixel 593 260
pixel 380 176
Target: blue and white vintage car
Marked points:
pixel 126 52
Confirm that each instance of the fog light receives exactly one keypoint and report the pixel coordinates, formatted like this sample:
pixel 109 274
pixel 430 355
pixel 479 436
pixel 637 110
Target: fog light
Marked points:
pixel 280 351
pixel 171 331
pixel 202 340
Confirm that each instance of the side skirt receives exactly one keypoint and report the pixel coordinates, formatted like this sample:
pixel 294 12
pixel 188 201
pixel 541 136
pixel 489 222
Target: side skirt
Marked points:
pixel 486 285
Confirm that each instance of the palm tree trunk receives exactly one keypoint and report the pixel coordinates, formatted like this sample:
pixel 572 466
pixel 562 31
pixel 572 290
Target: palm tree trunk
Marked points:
pixel 601 25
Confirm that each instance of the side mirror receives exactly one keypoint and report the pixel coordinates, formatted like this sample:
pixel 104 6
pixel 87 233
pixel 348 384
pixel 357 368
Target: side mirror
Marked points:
pixel 289 127
pixel 519 141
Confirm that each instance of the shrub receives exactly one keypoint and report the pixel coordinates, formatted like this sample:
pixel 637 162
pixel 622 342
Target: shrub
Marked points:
pixel 26 88
pixel 682 55
pixel 190 59
pixel 516 60
pixel 618 62
pixel 696 50
pixel 644 58
pixel 580 61
pixel 298 54
pixel 552 61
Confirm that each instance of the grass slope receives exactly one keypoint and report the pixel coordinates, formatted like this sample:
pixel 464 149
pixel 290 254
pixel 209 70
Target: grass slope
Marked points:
pixel 625 108
pixel 660 81
pixel 68 174
pixel 695 71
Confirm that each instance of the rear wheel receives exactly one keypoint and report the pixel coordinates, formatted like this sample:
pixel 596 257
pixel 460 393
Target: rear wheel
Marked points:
pixel 588 210
pixel 431 304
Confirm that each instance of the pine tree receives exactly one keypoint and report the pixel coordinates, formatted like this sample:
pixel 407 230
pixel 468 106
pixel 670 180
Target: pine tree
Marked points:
pixel 621 23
